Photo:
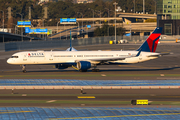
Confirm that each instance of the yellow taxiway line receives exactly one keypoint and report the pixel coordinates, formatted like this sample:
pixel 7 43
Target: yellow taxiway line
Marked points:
pixel 85 97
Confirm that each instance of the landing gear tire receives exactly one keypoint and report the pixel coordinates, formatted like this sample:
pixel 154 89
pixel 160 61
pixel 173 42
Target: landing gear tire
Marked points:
pixel 95 70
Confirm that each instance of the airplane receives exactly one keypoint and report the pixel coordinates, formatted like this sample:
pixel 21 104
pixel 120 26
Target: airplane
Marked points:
pixel 84 60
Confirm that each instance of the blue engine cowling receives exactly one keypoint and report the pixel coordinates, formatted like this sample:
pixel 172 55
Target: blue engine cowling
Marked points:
pixel 61 66
pixel 83 65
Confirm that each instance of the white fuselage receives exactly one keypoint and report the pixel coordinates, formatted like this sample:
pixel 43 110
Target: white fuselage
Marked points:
pixel 57 57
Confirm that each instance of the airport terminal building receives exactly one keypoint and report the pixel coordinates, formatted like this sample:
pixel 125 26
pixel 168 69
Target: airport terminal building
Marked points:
pixel 168 16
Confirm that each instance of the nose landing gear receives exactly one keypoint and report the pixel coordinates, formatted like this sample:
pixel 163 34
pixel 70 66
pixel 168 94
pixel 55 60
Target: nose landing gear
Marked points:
pixel 24 68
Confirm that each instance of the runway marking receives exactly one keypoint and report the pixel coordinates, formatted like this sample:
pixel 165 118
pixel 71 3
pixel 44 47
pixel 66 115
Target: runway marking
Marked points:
pixel 103 75
pixel 118 116
pixel 85 97
pixel 51 101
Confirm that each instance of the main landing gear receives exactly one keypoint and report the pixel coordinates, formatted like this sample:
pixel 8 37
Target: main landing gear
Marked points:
pixel 24 68
pixel 95 70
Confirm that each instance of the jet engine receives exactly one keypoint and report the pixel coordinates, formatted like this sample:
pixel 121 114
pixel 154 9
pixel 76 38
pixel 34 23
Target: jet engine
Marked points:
pixel 83 65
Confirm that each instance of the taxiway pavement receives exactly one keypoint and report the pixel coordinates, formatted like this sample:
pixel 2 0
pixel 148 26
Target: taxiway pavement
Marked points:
pixel 165 67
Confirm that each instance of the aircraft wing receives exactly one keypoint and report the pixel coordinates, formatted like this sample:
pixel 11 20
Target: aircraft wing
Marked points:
pixel 102 60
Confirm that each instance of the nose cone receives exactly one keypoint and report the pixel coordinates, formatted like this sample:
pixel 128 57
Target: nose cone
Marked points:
pixel 9 61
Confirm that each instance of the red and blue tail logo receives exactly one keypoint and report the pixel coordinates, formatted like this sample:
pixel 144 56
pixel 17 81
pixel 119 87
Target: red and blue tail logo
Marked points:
pixel 151 43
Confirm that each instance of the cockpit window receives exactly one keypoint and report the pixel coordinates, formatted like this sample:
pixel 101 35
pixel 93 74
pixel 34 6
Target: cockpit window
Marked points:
pixel 14 57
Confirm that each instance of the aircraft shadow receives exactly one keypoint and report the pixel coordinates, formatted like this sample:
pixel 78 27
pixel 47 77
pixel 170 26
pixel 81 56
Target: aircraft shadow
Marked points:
pixel 106 70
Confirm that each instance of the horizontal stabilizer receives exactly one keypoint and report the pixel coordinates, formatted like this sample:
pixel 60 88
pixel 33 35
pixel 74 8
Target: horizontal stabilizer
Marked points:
pixel 159 55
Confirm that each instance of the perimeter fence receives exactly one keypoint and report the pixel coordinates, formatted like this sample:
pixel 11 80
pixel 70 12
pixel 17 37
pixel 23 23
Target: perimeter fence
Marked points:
pixel 56 43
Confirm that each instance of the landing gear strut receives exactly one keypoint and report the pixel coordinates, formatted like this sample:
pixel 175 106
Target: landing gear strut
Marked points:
pixel 95 70
pixel 24 68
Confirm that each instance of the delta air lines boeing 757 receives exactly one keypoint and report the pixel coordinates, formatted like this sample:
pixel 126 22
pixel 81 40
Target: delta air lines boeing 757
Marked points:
pixel 84 60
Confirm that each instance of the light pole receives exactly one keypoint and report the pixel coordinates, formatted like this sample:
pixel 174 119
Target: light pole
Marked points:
pixel 100 16
pixel 115 19
pixel 93 15
pixel 134 5
pixel 43 27
pixel 78 27
pixel 21 27
pixel 143 6
pixel 155 6
pixel 66 31
pixel 15 29
pixel 130 32
pixel 108 20
pixel 13 24
pixel 82 17
pixel 3 23
pixel 57 29
pixel 42 19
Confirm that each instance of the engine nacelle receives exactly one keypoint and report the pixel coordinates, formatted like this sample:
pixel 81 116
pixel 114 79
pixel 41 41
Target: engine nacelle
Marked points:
pixel 61 66
pixel 83 65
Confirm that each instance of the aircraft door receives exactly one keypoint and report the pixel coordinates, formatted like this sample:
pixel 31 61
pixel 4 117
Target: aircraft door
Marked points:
pixel 25 57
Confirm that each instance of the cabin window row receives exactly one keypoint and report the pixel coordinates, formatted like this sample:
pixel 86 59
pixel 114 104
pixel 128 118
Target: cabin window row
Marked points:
pixel 84 55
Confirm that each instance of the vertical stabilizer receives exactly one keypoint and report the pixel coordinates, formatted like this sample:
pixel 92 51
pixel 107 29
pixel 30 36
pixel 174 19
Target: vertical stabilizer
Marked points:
pixel 71 48
pixel 151 42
